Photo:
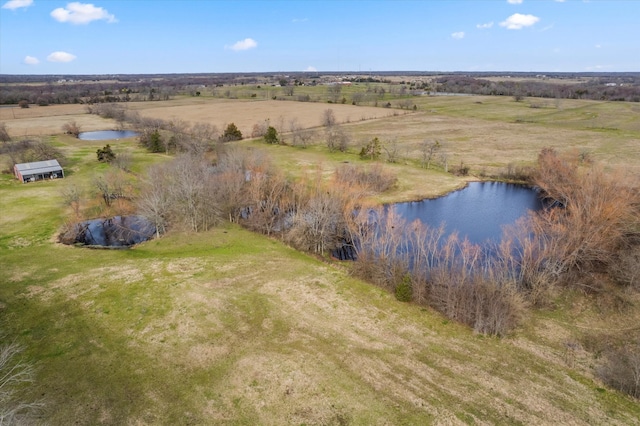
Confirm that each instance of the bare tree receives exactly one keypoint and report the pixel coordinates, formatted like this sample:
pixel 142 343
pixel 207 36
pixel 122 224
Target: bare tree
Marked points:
pixel 428 149
pixel 71 196
pixel 72 128
pixel 111 186
pixel 300 136
pixel 123 161
pixel 154 202
pixel 392 149
pixel 337 138
pixel 333 92
pixel 192 193
pixel 260 129
pixel 328 118
pixel 358 97
pixel 4 135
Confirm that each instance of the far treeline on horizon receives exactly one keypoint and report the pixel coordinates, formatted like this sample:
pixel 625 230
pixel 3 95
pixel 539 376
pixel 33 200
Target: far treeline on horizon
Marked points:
pixel 73 89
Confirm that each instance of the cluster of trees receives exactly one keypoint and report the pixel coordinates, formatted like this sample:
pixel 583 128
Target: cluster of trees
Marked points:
pixel 28 150
pixel 597 89
pixel 243 186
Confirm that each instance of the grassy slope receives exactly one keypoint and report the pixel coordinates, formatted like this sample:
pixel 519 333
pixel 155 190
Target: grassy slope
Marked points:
pixel 233 328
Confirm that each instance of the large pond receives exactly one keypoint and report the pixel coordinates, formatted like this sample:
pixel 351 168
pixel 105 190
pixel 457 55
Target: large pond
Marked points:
pixel 478 212
pixel 103 135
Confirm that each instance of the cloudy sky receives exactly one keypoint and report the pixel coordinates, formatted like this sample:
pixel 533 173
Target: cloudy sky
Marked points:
pixel 170 36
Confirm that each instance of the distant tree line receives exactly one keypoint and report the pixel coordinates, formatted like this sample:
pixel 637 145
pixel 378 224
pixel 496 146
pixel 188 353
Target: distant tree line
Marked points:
pixel 610 89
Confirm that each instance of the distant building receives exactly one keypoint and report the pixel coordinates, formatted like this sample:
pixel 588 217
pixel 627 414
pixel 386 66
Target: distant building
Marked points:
pixel 38 170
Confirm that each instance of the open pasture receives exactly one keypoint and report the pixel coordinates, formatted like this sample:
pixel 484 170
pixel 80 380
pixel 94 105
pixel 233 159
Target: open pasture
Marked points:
pixel 48 120
pixel 244 113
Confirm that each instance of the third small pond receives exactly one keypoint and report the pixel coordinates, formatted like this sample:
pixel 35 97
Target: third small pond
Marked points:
pixel 478 212
pixel 103 135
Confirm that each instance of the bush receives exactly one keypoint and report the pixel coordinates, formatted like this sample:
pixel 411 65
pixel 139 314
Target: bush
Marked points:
pixel 372 179
pixel 106 154
pixel 152 140
pixel 231 133
pixel 71 128
pixel 271 137
pixel 371 150
pixel 621 369
pixel 403 289
pixel 4 135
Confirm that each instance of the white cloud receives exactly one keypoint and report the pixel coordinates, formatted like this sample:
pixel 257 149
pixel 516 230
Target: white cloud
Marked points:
pixel 598 67
pixel 598 46
pixel 458 35
pixel 17 4
pixel 246 44
pixel 485 26
pixel 517 21
pixel 82 13
pixel 297 20
pixel 61 57
pixel 30 60
pixel 514 1
pixel 311 69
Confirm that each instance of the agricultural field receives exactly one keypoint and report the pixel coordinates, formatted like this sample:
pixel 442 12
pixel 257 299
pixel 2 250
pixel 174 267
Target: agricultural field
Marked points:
pixel 230 327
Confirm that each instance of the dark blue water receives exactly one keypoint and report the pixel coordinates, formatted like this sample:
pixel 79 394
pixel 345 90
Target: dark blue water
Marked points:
pixel 477 212
pixel 103 135
pixel 118 231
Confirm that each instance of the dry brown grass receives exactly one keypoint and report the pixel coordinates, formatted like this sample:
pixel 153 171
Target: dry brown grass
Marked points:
pixel 247 113
pixel 491 144
pixel 48 120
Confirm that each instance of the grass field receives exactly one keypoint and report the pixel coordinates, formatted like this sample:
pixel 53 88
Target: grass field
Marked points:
pixel 229 327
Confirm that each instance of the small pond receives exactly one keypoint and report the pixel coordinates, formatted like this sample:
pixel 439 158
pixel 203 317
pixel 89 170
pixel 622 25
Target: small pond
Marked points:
pixel 478 212
pixel 102 135
pixel 118 231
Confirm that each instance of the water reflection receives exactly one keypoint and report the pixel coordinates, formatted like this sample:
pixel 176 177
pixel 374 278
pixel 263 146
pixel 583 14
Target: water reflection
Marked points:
pixel 102 135
pixel 477 212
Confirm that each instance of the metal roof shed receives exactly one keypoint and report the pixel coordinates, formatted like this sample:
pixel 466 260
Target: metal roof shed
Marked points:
pixel 38 170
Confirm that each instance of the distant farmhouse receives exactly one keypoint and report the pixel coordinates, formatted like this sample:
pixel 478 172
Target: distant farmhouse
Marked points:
pixel 38 170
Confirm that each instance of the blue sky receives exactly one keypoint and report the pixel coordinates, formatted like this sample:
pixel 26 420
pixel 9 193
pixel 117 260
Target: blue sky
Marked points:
pixel 199 36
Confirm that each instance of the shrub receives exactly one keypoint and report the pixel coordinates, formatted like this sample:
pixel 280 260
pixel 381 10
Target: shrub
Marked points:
pixel 621 369
pixel 71 128
pixel 231 133
pixel 105 154
pixel 152 140
pixel 4 135
pixel 271 136
pixel 403 290
pixel 372 179
pixel 371 150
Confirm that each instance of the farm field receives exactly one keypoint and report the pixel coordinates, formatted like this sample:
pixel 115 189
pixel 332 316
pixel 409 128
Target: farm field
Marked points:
pixel 230 327
pixel 485 133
